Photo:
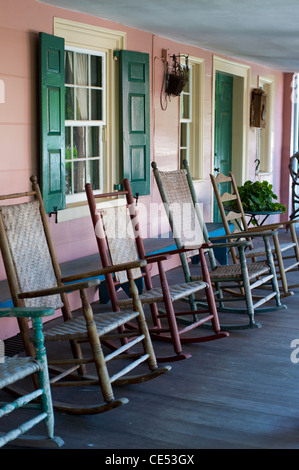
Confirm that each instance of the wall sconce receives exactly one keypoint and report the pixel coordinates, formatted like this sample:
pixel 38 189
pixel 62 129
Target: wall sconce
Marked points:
pixel 175 77
pixel 2 92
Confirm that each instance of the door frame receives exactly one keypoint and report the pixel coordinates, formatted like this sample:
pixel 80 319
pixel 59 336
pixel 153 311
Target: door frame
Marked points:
pixel 223 117
pixel 240 125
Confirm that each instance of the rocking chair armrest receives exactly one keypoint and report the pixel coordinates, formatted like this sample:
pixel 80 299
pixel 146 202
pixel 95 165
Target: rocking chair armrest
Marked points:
pixel 184 249
pixel 265 228
pixel 59 289
pixel 172 252
pixel 231 244
pixel 290 222
pixel 264 233
pixel 155 258
pixel 275 226
pixel 245 234
pixel 30 312
pixel 168 254
pixel 226 236
pixel 202 246
pixel 104 271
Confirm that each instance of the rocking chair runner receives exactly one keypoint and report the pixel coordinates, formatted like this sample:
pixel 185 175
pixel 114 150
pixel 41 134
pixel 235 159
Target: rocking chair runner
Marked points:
pixel 34 279
pixel 13 369
pixel 176 189
pixel 115 237
pixel 238 218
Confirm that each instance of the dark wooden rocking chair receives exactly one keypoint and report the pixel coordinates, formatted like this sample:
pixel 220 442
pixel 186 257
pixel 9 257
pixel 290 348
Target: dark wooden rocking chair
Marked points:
pixel 35 279
pixel 16 368
pixel 176 188
pixel 118 237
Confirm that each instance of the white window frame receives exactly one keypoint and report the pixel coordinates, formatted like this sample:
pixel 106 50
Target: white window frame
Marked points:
pixel 105 40
pixel 77 197
pixel 187 121
pixel 264 135
pixel 194 150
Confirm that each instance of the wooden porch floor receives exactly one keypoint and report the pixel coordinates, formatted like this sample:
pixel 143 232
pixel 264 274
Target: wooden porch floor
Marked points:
pixel 234 393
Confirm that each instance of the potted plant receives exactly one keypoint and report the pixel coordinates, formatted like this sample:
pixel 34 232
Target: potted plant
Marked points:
pixel 258 196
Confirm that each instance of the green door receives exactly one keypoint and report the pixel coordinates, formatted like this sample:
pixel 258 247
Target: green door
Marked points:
pixel 223 131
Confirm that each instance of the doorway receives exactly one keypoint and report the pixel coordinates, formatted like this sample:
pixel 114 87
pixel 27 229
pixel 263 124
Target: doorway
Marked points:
pixel 223 131
pixel 235 78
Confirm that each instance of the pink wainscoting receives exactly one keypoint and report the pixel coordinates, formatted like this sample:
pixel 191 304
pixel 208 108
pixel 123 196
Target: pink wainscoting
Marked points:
pixel 20 23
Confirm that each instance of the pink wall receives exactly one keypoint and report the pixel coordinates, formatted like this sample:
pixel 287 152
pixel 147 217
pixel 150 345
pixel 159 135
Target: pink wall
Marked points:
pixel 20 23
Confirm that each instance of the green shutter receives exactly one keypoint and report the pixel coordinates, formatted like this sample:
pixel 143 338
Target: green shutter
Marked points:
pixel 135 119
pixel 52 167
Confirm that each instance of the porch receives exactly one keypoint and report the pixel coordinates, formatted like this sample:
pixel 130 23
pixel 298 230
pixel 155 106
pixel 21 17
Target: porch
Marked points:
pixel 236 393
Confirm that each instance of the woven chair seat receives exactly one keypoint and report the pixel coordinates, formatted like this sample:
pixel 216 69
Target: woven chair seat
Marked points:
pixel 233 272
pixel 34 266
pixel 76 328
pixel 176 292
pixel 17 368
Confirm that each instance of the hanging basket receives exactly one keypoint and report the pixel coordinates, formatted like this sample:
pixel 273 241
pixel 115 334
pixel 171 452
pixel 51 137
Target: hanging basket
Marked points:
pixel 177 78
pixel 175 84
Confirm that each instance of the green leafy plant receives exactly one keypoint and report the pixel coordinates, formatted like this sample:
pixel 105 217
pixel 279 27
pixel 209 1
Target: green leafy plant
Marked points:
pixel 258 196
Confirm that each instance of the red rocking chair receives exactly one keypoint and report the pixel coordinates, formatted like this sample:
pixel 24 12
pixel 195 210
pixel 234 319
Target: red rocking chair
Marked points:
pixel 118 236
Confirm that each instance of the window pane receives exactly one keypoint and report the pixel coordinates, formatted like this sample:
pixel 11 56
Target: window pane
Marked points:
pixel 79 176
pixel 185 108
pixel 81 72
pixel 69 67
pixel 84 100
pixel 93 173
pixel 96 105
pixel 183 155
pixel 93 142
pixel 186 88
pixel 96 71
pixel 68 178
pixel 79 142
pixel 69 104
pixel 184 134
pixel 68 144
pixel 82 104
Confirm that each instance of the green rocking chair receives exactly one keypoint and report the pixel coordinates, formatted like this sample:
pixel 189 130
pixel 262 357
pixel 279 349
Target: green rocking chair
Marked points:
pixel 14 369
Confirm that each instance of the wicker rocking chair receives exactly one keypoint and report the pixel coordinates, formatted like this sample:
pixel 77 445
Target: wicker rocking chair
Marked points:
pixel 35 279
pixel 118 237
pixel 176 188
pixel 14 369
pixel 281 251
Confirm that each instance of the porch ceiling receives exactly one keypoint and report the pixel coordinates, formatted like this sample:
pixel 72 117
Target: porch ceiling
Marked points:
pixel 261 31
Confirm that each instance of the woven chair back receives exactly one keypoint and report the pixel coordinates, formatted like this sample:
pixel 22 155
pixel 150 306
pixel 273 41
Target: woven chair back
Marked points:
pixel 120 239
pixel 186 225
pixel 29 252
